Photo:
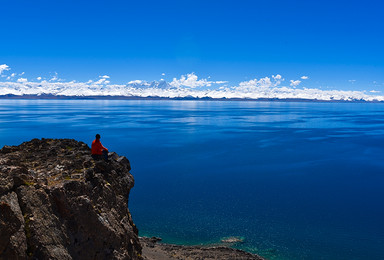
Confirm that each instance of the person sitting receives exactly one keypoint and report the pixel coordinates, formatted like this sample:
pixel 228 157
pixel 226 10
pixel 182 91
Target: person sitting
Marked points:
pixel 98 151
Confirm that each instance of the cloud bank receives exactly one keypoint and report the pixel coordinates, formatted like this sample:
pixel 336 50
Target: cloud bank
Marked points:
pixel 187 86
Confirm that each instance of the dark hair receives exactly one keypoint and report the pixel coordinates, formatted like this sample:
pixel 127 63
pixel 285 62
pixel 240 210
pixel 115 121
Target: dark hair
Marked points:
pixel 97 136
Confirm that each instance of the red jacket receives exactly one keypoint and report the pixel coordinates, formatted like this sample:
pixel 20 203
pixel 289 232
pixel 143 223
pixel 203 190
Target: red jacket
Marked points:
pixel 97 147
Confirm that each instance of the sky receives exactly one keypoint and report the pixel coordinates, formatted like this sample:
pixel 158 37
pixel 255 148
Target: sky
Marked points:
pixel 328 45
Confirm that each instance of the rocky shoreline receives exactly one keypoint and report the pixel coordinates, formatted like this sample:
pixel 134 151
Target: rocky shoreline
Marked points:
pixel 153 249
pixel 56 202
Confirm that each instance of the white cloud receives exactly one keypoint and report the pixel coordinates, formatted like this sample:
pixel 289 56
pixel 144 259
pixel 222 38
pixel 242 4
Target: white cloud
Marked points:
pixel 38 78
pixel 135 82
pixel 192 81
pixel 304 77
pixel 11 76
pixel 374 91
pixel 3 68
pixel 22 80
pixel 102 80
pixel 277 77
pixel 265 82
pixel 55 77
pixel 294 83
pixel 162 74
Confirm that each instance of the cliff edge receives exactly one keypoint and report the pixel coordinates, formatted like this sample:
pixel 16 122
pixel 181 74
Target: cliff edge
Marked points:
pixel 58 203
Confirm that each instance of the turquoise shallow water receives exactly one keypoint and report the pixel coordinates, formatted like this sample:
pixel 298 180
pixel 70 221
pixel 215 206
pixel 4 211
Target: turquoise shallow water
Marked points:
pixel 296 180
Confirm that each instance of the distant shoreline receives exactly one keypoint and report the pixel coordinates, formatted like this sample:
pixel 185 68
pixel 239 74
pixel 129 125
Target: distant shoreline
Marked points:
pixel 62 97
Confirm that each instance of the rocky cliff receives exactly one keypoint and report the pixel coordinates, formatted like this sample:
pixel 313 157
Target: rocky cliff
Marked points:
pixel 58 203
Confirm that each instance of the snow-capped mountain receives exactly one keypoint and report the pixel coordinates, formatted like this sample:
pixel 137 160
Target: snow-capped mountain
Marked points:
pixel 188 86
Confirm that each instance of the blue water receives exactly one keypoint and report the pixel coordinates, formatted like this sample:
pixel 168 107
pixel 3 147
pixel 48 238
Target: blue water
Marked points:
pixel 296 180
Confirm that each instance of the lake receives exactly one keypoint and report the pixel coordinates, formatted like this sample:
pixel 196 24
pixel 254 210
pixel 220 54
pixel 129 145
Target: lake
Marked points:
pixel 296 180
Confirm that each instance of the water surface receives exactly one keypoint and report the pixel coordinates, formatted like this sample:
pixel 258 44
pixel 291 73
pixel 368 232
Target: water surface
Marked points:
pixel 296 180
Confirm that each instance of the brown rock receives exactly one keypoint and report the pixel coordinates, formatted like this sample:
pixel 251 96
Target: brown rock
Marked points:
pixel 57 203
pixel 12 236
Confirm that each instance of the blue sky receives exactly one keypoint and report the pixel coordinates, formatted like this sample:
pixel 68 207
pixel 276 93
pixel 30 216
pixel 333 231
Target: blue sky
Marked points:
pixel 337 44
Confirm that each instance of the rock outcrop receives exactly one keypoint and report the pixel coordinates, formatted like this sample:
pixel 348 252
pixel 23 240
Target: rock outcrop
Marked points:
pixel 58 203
